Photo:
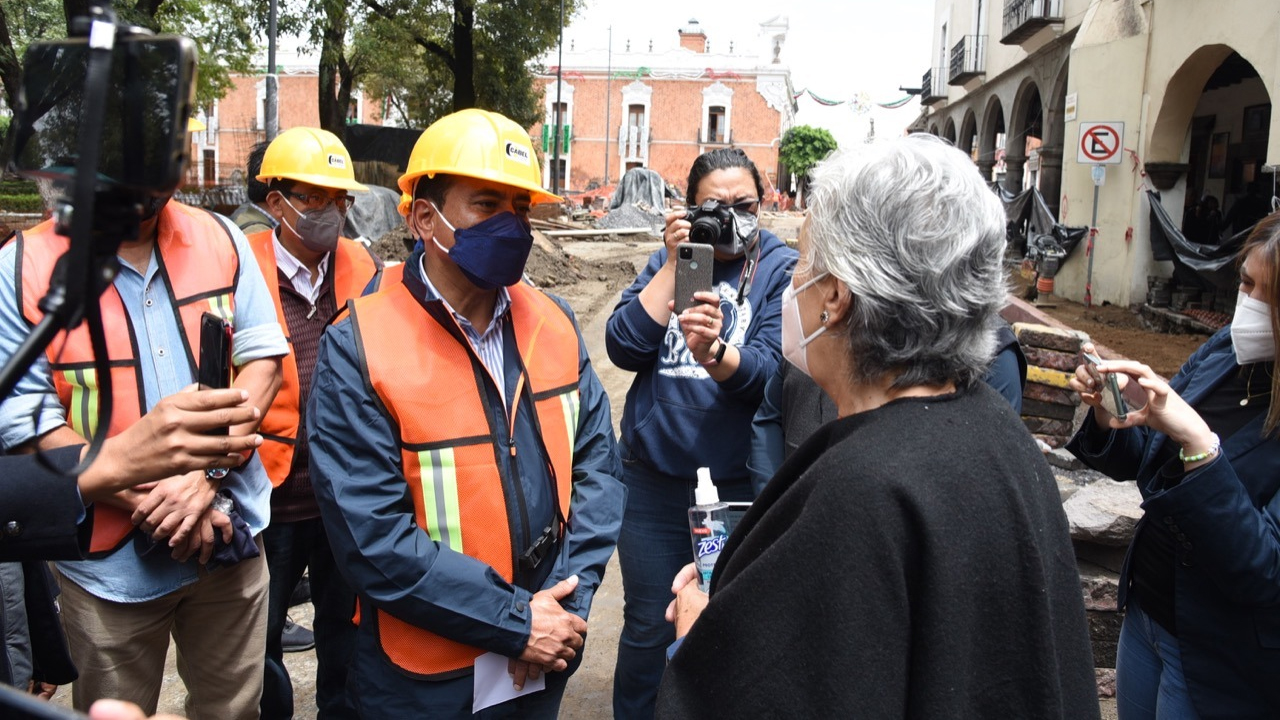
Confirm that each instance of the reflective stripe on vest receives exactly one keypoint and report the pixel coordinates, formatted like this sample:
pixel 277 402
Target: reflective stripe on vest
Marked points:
pixel 199 266
pixel 353 270
pixel 429 384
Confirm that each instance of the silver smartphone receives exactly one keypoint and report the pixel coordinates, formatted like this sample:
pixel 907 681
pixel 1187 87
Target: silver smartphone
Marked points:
pixel 694 264
pixel 1112 399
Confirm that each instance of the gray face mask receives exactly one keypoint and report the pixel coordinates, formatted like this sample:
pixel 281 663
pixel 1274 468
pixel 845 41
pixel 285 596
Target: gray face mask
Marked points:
pixel 318 229
pixel 745 227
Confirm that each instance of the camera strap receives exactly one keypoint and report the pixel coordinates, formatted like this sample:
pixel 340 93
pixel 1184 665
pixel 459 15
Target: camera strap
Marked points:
pixel 748 274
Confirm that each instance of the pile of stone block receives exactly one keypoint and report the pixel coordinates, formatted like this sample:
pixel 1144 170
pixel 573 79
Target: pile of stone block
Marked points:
pixel 1102 516
pixel 1048 405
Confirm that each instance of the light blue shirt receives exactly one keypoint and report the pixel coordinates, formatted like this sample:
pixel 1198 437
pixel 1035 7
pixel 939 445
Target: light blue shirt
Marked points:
pixel 33 408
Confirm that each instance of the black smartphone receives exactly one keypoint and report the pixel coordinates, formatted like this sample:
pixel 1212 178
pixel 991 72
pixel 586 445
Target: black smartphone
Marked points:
pixel 150 94
pixel 1112 398
pixel 215 356
pixel 694 265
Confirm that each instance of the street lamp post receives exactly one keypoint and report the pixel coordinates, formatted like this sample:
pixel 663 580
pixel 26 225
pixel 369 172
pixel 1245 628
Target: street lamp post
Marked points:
pixel 559 136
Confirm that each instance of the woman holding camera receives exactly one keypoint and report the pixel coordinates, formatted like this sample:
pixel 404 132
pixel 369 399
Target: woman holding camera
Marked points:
pixel 1201 583
pixel 700 374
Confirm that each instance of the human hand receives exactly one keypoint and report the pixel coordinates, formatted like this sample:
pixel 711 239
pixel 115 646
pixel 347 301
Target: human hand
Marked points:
pixel 42 690
pixel 690 600
pixel 172 509
pixel 555 634
pixel 170 440
pixel 676 231
pixel 201 539
pixel 521 670
pixel 121 710
pixel 1090 388
pixel 701 325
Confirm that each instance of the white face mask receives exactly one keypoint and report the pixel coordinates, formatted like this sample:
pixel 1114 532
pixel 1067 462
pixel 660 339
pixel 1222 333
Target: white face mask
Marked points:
pixel 793 341
pixel 1251 331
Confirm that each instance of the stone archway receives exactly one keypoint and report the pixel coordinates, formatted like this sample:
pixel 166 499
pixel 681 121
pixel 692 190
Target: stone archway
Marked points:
pixel 1213 129
pixel 933 129
pixel 968 138
pixel 991 139
pixel 949 131
pixel 1025 133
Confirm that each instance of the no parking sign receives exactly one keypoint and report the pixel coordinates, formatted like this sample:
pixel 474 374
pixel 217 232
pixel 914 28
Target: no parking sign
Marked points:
pixel 1100 143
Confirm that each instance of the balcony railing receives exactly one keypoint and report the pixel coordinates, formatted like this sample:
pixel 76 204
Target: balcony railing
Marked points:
pixel 1022 18
pixel 706 137
pixel 968 59
pixel 932 88
pixel 633 143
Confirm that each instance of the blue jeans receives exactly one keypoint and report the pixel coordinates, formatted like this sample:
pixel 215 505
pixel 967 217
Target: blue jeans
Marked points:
pixel 1149 680
pixel 292 547
pixel 653 546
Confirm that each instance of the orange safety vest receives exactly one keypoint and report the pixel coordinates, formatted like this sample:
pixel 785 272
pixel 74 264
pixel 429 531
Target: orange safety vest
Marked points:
pixel 427 379
pixel 200 268
pixel 393 275
pixel 355 269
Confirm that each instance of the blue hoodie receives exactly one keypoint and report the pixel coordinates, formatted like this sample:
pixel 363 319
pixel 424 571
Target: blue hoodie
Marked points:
pixel 677 418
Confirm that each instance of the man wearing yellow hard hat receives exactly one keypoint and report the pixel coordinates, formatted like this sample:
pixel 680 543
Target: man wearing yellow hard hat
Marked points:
pixel 311 272
pixel 462 449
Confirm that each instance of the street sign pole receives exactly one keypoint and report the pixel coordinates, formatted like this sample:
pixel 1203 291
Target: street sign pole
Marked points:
pixel 1099 177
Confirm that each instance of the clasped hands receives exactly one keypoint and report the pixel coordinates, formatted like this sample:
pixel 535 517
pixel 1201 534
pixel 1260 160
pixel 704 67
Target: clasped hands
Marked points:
pixel 555 636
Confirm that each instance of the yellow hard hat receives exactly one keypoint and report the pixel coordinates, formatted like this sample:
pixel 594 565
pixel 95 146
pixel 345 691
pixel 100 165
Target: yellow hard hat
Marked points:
pixel 478 144
pixel 310 155
pixel 406 200
pixel 194 125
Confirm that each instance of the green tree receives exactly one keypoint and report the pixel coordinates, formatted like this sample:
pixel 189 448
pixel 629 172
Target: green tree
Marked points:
pixel 803 147
pixel 221 29
pixel 433 57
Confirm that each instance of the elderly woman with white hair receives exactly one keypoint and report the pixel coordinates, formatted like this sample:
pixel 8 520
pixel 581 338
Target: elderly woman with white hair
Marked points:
pixel 911 559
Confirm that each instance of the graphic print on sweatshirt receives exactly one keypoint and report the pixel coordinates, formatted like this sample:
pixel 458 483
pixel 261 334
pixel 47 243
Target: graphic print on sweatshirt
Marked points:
pixel 675 360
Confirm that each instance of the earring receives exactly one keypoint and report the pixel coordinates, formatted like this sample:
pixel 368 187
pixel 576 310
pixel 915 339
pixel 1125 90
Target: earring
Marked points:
pixel 824 317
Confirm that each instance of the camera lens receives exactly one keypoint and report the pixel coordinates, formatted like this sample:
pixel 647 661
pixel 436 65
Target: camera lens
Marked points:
pixel 686 253
pixel 705 230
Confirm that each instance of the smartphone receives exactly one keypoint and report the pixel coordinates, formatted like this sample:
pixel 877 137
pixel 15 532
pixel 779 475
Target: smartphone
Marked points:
pixel 215 356
pixel 150 94
pixel 1112 399
pixel 694 264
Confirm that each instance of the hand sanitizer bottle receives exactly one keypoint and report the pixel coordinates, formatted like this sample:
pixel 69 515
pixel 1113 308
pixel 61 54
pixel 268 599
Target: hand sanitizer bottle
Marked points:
pixel 708 525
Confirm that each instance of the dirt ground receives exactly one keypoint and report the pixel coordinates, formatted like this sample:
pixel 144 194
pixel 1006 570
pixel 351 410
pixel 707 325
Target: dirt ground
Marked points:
pixel 1122 330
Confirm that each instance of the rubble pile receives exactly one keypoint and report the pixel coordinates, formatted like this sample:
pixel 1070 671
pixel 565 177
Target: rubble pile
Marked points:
pixel 638 202
pixel 1048 405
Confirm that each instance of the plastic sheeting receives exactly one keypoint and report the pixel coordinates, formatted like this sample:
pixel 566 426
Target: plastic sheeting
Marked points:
pixel 373 214
pixel 1034 228
pixel 1215 264
pixel 640 185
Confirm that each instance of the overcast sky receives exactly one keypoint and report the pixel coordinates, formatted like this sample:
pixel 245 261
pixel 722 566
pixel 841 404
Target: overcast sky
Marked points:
pixel 839 49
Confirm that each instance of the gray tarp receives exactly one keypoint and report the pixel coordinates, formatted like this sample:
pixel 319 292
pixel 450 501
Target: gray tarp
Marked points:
pixel 374 213
pixel 639 185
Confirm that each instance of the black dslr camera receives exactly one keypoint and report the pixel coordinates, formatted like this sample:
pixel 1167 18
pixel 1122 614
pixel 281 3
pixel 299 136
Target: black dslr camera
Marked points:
pixel 712 223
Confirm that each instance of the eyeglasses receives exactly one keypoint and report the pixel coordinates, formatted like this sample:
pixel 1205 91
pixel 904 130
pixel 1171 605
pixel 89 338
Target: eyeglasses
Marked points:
pixel 316 201
pixel 746 206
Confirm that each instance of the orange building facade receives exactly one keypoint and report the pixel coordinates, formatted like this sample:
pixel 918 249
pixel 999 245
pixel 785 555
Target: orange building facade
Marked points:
pixel 660 109
pixel 237 122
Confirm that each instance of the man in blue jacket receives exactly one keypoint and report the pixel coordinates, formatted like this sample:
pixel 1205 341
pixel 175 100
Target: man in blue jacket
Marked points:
pixel 462 449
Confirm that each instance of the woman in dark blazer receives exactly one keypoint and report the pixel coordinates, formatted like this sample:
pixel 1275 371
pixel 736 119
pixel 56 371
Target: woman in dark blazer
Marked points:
pixel 1201 583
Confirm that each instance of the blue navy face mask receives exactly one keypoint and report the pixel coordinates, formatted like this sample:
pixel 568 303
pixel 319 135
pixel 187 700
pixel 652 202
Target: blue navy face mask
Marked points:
pixel 493 253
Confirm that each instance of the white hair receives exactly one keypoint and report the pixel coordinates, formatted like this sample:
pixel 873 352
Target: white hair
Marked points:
pixel 912 230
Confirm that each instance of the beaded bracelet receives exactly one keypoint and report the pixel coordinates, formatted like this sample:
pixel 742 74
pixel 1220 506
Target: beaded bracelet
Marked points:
pixel 1214 447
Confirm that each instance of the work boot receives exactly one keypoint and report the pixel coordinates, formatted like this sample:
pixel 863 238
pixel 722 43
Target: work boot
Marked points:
pixel 295 638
